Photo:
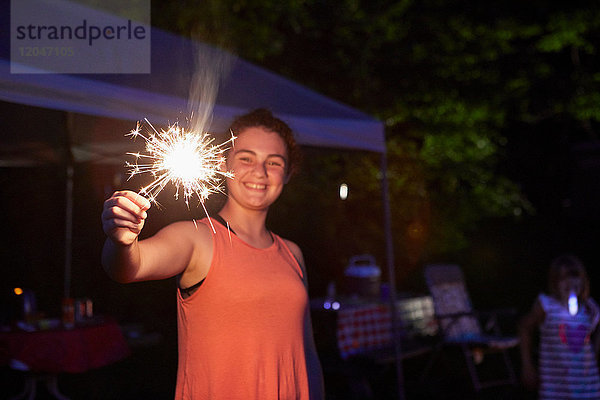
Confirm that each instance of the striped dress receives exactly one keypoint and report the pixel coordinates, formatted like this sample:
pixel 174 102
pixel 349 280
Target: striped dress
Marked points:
pixel 567 366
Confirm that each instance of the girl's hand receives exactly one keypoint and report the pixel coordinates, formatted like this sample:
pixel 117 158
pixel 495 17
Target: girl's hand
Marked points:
pixel 123 216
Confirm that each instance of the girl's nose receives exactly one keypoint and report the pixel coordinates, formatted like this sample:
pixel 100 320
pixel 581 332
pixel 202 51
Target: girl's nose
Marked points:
pixel 260 169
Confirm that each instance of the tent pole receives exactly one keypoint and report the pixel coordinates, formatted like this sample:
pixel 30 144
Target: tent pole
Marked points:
pixel 387 223
pixel 68 208
pixel 68 229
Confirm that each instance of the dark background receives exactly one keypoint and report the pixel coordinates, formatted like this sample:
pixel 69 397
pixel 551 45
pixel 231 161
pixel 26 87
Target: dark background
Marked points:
pixel 553 160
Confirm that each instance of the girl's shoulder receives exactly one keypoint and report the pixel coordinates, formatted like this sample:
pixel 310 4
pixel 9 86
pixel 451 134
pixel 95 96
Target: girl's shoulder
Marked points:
pixel 594 311
pixel 549 303
pixel 593 307
pixel 593 303
pixel 546 300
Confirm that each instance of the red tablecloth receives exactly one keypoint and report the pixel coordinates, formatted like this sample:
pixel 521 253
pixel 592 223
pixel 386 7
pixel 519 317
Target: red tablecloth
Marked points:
pixel 365 327
pixel 66 350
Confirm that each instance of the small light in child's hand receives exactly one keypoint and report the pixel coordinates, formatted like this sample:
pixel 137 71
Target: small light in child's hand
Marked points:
pixel 573 303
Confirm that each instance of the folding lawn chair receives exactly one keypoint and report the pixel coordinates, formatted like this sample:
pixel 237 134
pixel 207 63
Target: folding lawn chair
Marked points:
pixel 460 326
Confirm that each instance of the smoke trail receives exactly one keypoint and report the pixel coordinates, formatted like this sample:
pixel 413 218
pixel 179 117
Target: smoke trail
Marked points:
pixel 212 65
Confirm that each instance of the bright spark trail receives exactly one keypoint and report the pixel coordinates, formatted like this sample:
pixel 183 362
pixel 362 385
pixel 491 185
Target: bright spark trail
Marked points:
pixel 188 160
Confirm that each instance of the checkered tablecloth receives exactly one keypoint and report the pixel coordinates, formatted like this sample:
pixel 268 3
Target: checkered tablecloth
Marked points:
pixel 364 327
pixel 361 328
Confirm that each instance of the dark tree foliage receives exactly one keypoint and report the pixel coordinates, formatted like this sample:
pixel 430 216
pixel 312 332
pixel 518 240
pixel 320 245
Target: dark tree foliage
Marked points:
pixel 472 93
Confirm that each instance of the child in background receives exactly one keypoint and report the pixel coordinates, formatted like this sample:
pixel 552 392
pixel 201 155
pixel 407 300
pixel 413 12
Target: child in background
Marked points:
pixel 567 319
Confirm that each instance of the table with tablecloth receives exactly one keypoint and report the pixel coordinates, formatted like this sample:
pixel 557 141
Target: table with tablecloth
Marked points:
pixel 366 326
pixel 94 344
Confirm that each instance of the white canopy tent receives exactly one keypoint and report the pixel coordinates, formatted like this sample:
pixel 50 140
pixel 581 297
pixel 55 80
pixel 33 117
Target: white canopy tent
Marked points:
pixel 94 101
pixel 162 97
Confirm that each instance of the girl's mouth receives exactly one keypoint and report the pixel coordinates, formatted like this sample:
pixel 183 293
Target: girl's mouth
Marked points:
pixel 255 186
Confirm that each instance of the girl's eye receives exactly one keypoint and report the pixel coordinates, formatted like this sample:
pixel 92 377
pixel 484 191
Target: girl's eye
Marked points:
pixel 275 163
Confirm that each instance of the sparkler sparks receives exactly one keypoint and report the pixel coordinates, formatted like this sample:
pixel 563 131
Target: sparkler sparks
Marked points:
pixel 188 160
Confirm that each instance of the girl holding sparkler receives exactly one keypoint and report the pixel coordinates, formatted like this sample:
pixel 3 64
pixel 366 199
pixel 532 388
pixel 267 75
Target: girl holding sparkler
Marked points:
pixel 244 329
pixel 566 317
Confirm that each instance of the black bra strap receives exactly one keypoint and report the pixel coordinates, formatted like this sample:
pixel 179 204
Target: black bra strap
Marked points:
pixel 187 292
pixel 222 221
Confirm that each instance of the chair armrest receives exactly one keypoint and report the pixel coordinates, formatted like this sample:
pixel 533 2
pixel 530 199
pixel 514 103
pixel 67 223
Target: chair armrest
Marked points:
pixel 499 312
pixel 452 319
pixel 489 318
pixel 456 315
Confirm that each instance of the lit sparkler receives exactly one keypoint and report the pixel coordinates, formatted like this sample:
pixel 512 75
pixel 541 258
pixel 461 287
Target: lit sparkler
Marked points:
pixel 188 160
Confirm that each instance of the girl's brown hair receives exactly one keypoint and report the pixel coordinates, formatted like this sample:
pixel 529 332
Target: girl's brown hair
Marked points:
pixel 564 266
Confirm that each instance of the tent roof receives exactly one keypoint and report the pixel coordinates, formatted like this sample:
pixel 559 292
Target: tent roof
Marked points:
pixel 162 96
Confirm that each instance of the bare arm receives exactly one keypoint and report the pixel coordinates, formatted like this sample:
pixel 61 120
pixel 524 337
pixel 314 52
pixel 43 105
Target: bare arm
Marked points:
pixel 528 325
pixel 313 364
pixel 126 259
pixel 593 309
pixel 595 337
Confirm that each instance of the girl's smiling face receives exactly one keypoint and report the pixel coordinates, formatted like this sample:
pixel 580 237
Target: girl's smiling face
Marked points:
pixel 259 162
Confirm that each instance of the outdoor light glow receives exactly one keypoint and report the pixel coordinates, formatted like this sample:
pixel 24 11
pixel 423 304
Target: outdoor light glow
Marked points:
pixel 343 191
pixel 188 160
pixel 18 291
pixel 331 305
pixel 573 306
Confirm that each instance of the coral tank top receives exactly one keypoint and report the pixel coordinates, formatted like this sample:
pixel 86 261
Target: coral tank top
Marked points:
pixel 241 333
